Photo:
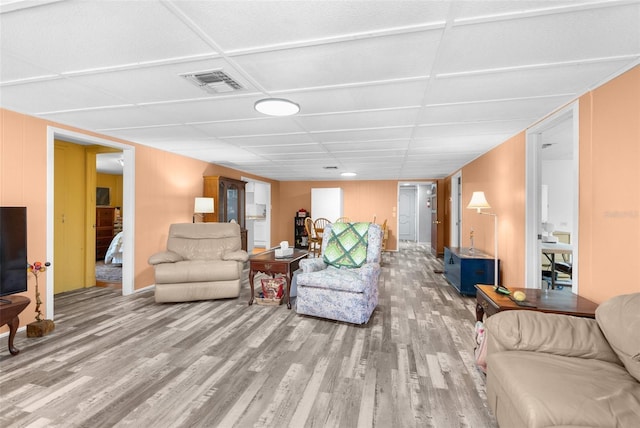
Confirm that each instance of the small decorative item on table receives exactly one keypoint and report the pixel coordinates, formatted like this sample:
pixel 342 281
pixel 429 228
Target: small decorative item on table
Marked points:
pixel 272 291
pixel 40 327
pixel 302 212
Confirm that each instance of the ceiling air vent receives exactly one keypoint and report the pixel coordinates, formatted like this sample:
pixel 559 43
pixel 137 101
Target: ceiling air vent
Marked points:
pixel 214 82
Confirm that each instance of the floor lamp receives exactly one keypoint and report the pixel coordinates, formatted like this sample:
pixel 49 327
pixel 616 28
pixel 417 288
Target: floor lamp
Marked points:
pixel 479 202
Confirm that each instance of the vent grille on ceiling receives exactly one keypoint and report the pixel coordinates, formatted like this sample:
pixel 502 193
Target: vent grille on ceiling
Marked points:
pixel 214 82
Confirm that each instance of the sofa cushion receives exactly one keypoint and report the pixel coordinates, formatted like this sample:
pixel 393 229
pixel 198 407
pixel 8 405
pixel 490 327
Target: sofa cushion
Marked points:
pixel 334 279
pixel 347 245
pixel 549 390
pixel 197 271
pixel 619 320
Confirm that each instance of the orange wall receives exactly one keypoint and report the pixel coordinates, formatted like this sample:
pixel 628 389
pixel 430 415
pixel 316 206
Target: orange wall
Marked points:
pixel 609 213
pixel 610 188
pixel 500 173
pixel 362 201
pixel 165 187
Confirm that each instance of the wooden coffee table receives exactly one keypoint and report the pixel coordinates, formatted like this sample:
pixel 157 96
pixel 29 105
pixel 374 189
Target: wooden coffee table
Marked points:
pixel 268 263
pixel 564 302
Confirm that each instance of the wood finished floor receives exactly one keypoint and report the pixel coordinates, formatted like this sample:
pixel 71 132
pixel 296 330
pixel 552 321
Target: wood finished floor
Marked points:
pixel 126 361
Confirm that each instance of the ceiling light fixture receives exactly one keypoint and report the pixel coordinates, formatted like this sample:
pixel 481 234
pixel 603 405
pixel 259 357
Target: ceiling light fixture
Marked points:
pixel 348 174
pixel 276 107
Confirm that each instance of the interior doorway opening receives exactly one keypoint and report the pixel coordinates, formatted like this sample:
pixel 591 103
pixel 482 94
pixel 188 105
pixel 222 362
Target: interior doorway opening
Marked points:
pixel 258 215
pixel 415 212
pixel 552 179
pixel 128 224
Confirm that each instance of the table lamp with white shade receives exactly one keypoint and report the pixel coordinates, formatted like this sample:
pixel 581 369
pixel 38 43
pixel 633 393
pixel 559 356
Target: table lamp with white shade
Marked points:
pixel 203 206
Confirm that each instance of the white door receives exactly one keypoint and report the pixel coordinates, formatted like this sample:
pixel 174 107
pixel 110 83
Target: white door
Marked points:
pixel 407 214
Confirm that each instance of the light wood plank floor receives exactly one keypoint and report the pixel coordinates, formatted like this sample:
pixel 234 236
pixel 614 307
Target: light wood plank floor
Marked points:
pixel 126 361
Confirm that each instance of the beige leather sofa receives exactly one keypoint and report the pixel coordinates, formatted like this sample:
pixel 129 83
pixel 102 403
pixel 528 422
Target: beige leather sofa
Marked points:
pixel 203 261
pixel 547 370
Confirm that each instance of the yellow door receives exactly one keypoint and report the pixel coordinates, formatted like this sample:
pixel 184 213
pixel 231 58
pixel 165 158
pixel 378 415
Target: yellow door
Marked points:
pixel 69 221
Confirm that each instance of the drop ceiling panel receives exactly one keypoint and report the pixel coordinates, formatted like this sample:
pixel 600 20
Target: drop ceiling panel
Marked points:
pixel 100 119
pixel 369 97
pixel 222 155
pixel 372 155
pixel 365 119
pixel 471 128
pixel 209 108
pixel 594 33
pixel 250 127
pixel 97 34
pixel 379 58
pixel 568 80
pixel 366 145
pixel 15 68
pixel 364 134
pixel 271 140
pixel 527 109
pixel 247 25
pixel 55 95
pixel 479 9
pixel 288 149
pixel 151 135
pixel 161 83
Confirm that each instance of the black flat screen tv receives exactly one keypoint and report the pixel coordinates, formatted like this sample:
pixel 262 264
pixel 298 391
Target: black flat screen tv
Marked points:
pixel 13 250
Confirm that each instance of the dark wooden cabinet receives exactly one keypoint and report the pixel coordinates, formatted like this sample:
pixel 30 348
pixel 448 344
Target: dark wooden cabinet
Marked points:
pixel 464 269
pixel 104 230
pixel 229 200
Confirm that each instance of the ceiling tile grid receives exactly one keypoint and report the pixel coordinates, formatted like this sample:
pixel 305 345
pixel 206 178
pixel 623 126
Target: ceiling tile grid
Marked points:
pixel 387 89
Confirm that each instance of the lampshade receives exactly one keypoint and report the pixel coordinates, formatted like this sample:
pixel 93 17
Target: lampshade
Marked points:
pixel 277 107
pixel 478 201
pixel 203 205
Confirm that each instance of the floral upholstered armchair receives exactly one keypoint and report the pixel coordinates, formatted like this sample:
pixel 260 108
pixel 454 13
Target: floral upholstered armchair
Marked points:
pixel 342 284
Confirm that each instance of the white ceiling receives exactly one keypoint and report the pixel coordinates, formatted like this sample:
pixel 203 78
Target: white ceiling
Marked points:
pixel 387 89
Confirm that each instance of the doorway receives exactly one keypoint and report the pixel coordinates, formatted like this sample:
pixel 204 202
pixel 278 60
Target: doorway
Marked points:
pixel 407 210
pixel 258 215
pixel 456 210
pixel 552 178
pixel 128 158
pixel 414 212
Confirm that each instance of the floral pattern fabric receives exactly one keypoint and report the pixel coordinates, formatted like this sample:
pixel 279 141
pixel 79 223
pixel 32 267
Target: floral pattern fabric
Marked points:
pixel 342 294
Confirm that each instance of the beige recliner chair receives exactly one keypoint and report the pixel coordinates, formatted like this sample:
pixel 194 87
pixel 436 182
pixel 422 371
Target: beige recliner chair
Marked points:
pixel 203 261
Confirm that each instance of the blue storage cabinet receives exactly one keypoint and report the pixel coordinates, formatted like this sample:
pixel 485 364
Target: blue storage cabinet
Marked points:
pixel 464 269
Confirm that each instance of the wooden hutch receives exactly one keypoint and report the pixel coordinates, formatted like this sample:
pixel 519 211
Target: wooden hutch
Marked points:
pixel 229 199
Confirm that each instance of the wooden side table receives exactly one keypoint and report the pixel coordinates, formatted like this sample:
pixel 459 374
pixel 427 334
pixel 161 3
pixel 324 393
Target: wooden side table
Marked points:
pixel 268 263
pixel 9 315
pixel 489 302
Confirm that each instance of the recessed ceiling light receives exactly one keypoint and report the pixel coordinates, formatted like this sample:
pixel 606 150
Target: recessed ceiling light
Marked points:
pixel 277 107
pixel 348 174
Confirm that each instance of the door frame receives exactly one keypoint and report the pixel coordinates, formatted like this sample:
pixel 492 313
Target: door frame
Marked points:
pixel 128 200
pixel 268 216
pixel 413 187
pixel 456 207
pixel 532 270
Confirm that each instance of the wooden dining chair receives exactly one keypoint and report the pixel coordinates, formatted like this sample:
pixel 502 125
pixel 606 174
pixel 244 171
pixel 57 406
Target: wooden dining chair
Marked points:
pixel 312 241
pixel 319 225
pixel 343 220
